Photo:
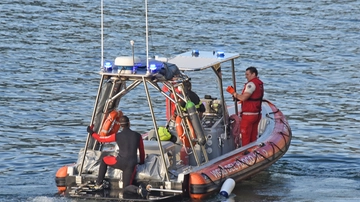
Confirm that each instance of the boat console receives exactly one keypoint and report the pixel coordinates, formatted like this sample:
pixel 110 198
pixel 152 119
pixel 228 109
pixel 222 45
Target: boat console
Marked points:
pixel 213 111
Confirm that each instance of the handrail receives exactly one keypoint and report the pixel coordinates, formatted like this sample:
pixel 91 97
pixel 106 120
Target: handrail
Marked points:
pixel 92 120
pixel 155 127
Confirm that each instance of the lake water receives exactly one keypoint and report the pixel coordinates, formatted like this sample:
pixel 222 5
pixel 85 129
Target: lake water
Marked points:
pixel 307 54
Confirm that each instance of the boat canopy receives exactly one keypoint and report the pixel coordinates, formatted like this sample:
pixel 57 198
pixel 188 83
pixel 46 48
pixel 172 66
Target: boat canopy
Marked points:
pixel 196 60
pixel 188 61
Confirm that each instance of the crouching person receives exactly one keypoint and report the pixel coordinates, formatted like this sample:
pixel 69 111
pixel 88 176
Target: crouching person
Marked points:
pixel 129 142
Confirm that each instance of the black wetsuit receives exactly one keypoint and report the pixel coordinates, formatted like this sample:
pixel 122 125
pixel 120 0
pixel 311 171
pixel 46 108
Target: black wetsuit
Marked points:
pixel 128 141
pixel 196 100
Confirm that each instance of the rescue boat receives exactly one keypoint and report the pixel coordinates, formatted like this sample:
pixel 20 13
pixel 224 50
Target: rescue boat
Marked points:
pixel 201 153
pixel 207 150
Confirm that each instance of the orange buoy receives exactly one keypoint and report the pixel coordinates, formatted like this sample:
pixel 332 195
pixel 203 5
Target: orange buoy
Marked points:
pixel 181 134
pixel 60 179
pixel 112 123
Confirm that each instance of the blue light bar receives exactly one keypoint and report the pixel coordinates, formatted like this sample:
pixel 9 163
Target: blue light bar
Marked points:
pixel 152 67
pixel 108 65
pixel 220 54
pixel 195 53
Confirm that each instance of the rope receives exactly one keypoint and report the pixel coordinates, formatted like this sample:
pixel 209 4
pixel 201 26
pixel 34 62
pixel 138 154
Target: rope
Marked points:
pixel 258 153
pixel 221 176
pixel 242 162
pixel 209 178
pixel 273 144
pixel 277 110
pixel 287 126
pixel 235 126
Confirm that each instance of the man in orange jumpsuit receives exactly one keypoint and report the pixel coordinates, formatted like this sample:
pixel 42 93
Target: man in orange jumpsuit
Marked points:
pixel 251 98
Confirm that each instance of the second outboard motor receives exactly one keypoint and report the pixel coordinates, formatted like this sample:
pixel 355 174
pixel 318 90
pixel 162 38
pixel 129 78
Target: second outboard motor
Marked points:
pixel 196 123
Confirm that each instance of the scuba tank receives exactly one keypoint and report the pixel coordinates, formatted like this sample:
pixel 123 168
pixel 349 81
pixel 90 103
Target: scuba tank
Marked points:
pixel 196 123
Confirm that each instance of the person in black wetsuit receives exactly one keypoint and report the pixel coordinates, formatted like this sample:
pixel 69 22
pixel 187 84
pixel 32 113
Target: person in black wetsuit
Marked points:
pixel 193 98
pixel 126 160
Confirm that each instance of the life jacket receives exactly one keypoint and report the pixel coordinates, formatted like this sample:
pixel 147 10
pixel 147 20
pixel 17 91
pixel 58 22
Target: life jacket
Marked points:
pixel 164 134
pixel 196 100
pixel 197 106
pixel 253 104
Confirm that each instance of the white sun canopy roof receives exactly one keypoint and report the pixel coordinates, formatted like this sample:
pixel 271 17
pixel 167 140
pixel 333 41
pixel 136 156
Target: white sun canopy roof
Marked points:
pixel 190 61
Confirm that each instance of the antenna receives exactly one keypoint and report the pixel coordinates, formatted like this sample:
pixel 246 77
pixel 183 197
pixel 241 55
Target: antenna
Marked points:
pixel 102 34
pixel 147 39
pixel 132 49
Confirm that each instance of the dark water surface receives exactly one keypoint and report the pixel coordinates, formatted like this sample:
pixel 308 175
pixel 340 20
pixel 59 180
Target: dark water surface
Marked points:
pixel 307 53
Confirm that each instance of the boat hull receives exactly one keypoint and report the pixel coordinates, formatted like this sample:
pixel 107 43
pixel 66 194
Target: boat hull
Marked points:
pixel 205 180
pixel 244 161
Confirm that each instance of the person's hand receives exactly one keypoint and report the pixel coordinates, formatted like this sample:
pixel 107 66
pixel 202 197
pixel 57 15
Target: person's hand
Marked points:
pixel 230 90
pixel 234 96
pixel 90 130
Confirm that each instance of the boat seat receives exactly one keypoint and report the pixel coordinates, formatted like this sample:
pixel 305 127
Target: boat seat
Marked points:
pixel 152 147
pixel 264 121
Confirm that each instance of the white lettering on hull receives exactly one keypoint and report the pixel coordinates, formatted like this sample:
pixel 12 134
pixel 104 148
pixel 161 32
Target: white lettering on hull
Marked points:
pixel 238 164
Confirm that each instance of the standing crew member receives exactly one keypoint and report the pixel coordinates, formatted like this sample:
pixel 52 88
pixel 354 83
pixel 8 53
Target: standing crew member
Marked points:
pixel 251 98
pixel 126 160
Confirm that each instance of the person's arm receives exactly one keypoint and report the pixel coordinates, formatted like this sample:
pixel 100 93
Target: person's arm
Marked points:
pixel 242 97
pixel 102 139
pixel 249 89
pixel 141 151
